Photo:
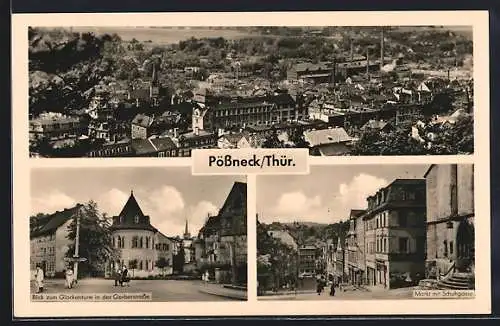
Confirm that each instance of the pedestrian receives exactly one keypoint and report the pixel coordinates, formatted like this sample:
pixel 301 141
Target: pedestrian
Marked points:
pixel 117 274
pixel 332 289
pixel 124 276
pixel 39 279
pixel 320 285
pixel 69 278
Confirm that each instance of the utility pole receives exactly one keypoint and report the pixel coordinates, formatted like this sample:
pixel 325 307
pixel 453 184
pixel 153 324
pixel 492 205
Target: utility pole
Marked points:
pixel 77 245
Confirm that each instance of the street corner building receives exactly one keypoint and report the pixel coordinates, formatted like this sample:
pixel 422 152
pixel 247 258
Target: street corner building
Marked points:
pixel 394 235
pixel 221 246
pixel 139 244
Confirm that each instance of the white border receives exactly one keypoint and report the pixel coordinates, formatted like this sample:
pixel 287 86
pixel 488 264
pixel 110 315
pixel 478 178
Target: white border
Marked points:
pixel 23 307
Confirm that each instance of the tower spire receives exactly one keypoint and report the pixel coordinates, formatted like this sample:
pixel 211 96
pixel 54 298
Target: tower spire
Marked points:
pixel 186 230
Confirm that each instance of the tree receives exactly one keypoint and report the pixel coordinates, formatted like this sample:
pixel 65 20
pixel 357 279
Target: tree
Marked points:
pixel 396 142
pixel 297 137
pixel 132 264
pixel 450 139
pixel 95 239
pixel 277 260
pixel 161 263
pixel 272 141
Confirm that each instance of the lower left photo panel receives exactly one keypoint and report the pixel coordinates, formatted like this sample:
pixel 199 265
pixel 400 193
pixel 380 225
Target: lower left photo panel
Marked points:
pixel 137 234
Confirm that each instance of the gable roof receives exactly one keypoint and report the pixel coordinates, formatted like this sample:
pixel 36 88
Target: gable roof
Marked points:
pixel 49 224
pixel 326 136
pixel 234 138
pixel 163 143
pixel 375 124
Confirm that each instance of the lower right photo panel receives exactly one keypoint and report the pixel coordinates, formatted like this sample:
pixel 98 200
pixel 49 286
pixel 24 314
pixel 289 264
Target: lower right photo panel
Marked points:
pixel 347 232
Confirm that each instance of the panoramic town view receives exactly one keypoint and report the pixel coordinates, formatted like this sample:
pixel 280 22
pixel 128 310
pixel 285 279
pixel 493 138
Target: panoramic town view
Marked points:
pixel 156 234
pixel 164 91
pixel 366 232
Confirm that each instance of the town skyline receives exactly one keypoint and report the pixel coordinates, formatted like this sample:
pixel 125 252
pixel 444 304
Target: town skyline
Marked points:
pixel 336 90
pixel 328 193
pixel 167 195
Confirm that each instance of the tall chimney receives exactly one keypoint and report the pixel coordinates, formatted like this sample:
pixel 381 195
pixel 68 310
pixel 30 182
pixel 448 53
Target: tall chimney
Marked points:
pixel 382 48
pixel 367 63
pixel 352 50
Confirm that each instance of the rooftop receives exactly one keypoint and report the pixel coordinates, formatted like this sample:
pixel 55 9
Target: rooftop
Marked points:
pixel 326 136
pixel 50 223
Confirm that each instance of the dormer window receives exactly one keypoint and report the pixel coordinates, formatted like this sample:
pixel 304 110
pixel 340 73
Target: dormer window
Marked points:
pixel 136 219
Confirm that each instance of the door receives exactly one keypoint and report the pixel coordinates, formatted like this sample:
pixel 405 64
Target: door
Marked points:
pixel 465 246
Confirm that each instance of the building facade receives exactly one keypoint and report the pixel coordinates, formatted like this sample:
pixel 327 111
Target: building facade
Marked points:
pixel 395 234
pixel 450 220
pixel 54 126
pixel 49 241
pixel 221 246
pixel 307 260
pixel 139 245
pixel 355 248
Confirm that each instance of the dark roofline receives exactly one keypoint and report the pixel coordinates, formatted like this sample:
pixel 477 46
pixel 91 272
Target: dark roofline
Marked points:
pixel 51 225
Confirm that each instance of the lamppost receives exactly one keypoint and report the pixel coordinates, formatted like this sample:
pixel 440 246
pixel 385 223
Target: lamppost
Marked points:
pixel 76 258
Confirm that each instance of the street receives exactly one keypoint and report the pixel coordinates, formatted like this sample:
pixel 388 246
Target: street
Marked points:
pixel 162 290
pixel 377 294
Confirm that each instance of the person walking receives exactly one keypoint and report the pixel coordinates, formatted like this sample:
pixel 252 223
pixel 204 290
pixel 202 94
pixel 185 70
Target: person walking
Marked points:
pixel 69 278
pixel 124 276
pixel 332 289
pixel 39 279
pixel 320 285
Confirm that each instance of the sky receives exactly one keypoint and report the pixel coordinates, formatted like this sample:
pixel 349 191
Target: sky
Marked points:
pixel 168 195
pixel 328 193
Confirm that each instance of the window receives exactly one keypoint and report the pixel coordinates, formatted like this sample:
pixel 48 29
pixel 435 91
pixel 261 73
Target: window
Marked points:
pixel 123 242
pixel 403 245
pixel 385 245
pixel 147 242
pixel 140 265
pixel 451 247
pixel 136 219
pixel 445 246
pixel 403 220
pixel 135 242
pixel 141 243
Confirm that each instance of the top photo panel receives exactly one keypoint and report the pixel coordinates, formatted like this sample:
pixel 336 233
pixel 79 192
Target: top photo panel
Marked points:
pixel 336 90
